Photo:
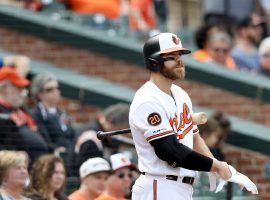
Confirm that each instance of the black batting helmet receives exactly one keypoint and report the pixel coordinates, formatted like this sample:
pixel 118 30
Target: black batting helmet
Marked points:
pixel 160 44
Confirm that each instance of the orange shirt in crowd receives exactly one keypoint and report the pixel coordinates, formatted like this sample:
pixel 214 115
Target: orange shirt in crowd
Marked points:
pixel 110 8
pixel 203 56
pixel 146 8
pixel 108 197
pixel 77 196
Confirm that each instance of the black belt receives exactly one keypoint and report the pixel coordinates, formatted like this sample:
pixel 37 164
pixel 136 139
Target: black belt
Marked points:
pixel 185 179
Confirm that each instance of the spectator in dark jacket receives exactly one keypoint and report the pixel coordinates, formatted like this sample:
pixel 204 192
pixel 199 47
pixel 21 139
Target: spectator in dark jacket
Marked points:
pixel 53 123
pixel 18 130
pixel 88 146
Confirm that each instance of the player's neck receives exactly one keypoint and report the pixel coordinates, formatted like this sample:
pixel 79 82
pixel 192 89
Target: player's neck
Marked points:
pixel 163 83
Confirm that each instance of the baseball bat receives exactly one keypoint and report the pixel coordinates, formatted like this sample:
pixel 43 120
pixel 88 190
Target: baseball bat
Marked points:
pixel 198 118
pixel 102 134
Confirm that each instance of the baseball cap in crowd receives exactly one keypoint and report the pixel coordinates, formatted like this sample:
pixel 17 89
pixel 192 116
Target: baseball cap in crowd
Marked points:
pixel 94 165
pixel 11 74
pixel 120 160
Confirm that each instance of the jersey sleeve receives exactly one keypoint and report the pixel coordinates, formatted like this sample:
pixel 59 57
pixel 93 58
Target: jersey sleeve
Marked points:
pixel 152 120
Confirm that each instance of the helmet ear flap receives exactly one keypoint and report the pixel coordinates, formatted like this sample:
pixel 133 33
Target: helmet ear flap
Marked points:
pixel 155 65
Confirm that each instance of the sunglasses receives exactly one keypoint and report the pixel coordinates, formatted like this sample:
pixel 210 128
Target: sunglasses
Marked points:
pixel 50 89
pixel 221 50
pixel 122 175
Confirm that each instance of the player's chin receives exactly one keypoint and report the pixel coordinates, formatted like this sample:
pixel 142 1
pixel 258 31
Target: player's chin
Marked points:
pixel 180 73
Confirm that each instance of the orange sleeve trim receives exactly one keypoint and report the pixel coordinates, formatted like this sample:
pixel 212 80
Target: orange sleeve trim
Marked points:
pixel 153 137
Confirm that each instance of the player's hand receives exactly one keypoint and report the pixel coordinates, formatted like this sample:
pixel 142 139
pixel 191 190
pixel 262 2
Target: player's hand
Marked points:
pixel 199 118
pixel 222 169
pixel 241 180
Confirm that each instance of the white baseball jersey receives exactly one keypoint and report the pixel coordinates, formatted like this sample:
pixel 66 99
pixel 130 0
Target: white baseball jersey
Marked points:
pixel 155 114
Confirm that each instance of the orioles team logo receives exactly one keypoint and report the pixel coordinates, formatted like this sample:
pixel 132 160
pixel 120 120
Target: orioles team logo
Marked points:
pixel 176 40
pixel 185 118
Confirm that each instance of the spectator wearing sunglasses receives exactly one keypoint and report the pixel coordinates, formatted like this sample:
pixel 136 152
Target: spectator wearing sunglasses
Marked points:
pixel 264 57
pixel 119 182
pixel 248 34
pixel 53 123
pixel 93 174
pixel 219 50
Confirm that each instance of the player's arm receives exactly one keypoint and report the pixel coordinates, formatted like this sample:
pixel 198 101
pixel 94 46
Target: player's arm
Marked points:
pixel 200 146
pixel 176 154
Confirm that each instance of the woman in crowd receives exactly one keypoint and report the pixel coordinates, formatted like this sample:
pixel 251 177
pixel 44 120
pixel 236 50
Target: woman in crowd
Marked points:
pixel 47 179
pixel 264 56
pixel 13 174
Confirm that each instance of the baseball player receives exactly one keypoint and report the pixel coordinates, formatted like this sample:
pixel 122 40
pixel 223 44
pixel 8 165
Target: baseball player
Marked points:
pixel 166 139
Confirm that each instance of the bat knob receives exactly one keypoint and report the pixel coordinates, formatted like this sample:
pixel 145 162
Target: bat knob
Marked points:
pixel 100 135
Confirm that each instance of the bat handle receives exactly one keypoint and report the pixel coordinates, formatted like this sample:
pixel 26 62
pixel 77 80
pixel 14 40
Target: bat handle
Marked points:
pixel 101 134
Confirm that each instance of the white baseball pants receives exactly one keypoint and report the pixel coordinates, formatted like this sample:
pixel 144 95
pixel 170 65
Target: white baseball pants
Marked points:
pixel 148 187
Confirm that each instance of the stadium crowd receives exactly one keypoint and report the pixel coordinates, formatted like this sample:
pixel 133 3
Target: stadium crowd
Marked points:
pixel 39 144
pixel 226 33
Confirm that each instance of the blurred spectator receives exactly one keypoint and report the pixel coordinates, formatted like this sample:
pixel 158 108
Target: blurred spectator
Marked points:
pixel 13 174
pixel 16 3
pixel 202 37
pixel 264 56
pixel 225 125
pixel 215 132
pixel 142 18
pixel 53 123
pixel 247 35
pixel 87 145
pixel 93 174
pixel 33 5
pixel 18 129
pixel 219 50
pixel 21 63
pixel 265 5
pixel 183 13
pixel 211 132
pixel 109 8
pixel 227 12
pixel 47 179
pixel 119 182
